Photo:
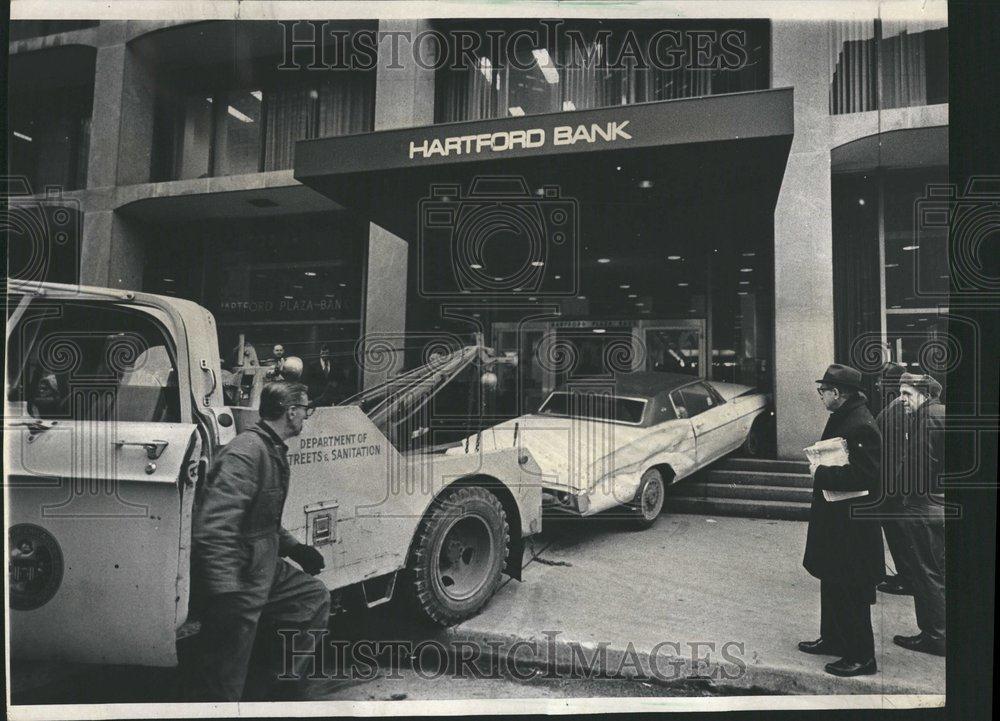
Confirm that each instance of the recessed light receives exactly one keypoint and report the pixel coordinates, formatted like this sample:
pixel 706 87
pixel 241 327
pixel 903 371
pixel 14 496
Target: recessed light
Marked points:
pixel 604 260
pixel 581 297
pixel 532 298
pixel 599 330
pixel 557 277
pixel 749 254
pixel 742 292
pixel 911 247
pixel 632 295
pixel 639 305
pixel 744 282
pixel 861 201
pixel 673 257
pixel 746 270
pixel 475 266
pixel 297 287
pixel 537 263
pixel 287 297
pixel 892 265
pixel 310 273
pixel 168 280
pixel 645 183
pixel 624 286
pixel 895 306
pixel 342 285
pixel 682 285
pixel 618 167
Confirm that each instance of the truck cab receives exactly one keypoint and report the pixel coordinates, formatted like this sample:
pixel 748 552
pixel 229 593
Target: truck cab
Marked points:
pixel 114 413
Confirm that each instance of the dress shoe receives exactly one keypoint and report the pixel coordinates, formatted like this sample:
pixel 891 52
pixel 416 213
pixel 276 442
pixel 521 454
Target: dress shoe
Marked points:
pixel 818 647
pixel 920 643
pixel 895 587
pixel 846 667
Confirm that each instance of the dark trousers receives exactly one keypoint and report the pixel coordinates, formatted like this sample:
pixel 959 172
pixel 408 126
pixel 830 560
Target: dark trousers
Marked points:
pixel 243 625
pixel 924 533
pixel 896 540
pixel 846 618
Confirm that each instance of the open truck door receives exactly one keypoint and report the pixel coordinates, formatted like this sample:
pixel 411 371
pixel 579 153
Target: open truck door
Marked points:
pixel 102 458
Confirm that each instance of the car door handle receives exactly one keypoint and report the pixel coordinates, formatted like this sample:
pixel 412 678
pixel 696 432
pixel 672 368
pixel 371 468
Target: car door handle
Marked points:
pixel 154 449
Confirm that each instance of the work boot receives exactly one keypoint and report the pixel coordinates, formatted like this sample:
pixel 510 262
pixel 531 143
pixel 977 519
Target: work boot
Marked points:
pixel 846 667
pixel 819 647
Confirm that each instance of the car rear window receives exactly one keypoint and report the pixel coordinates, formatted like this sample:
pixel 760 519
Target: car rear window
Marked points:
pixel 598 407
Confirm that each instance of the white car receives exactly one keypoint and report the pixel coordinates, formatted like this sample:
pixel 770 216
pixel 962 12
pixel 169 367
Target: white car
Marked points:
pixel 622 442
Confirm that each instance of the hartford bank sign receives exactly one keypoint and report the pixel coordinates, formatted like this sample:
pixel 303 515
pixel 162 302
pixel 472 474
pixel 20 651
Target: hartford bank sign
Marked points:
pixel 522 139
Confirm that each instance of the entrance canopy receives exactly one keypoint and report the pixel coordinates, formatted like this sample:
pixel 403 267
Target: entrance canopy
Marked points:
pixel 700 150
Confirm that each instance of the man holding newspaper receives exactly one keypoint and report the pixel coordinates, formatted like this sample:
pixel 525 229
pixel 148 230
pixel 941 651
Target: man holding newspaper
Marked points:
pixel 845 553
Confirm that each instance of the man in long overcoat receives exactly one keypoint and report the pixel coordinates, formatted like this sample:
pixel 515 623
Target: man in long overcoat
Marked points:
pixel 892 422
pixel 240 580
pixel 845 553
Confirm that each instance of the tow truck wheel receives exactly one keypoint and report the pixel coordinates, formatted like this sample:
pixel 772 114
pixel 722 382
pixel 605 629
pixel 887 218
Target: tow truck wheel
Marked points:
pixel 459 554
pixel 648 500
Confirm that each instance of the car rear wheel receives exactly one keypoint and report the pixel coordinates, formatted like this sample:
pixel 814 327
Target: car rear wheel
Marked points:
pixel 757 439
pixel 648 503
pixel 459 554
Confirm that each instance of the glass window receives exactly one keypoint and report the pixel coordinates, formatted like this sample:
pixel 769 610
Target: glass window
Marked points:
pixel 48 136
pixel 237 133
pixel 123 373
pixel 693 400
pixel 887 64
pixel 195 138
pixel 916 257
pixel 599 407
pixel 592 65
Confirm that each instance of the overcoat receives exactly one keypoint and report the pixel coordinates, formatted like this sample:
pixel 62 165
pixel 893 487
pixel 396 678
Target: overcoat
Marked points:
pixel 237 533
pixel 840 548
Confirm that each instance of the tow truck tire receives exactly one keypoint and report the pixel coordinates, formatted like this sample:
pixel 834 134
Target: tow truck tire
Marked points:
pixel 648 503
pixel 458 554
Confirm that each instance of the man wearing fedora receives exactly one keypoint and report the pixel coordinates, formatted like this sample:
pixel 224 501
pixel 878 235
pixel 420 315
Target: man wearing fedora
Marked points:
pixel 921 464
pixel 846 553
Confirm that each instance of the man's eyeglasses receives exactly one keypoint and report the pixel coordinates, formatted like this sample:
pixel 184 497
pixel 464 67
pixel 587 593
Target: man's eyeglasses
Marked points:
pixel 821 390
pixel 309 410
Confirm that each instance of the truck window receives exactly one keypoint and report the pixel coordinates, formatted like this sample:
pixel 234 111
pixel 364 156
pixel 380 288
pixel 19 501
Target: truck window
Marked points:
pixel 92 361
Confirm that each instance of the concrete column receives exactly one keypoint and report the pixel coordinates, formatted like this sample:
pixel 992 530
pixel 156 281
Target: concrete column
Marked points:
pixel 114 251
pixel 404 97
pixel 803 239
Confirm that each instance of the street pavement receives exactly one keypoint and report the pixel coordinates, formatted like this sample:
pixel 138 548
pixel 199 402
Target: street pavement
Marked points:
pixel 689 579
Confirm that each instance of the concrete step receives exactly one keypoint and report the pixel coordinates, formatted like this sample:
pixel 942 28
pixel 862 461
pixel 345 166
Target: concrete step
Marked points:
pixel 775 510
pixel 754 478
pixel 745 491
pixel 759 465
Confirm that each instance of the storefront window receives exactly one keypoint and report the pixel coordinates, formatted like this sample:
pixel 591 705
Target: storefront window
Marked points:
pixel 296 281
pixel 237 138
pixel 595 65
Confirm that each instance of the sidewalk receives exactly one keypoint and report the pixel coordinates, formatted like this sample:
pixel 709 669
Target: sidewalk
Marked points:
pixel 695 579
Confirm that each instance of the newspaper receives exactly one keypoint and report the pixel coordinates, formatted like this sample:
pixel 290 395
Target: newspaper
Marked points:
pixel 831 452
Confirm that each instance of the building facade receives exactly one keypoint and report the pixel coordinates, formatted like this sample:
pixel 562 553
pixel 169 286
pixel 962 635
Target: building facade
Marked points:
pixel 762 223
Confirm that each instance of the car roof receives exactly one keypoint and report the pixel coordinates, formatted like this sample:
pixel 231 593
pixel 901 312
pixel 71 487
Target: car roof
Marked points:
pixel 645 384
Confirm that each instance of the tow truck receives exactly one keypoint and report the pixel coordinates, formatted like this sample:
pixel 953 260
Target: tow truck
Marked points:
pixel 114 413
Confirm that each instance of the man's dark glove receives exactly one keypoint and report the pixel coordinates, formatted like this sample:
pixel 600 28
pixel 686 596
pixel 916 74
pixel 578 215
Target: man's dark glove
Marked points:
pixel 308 557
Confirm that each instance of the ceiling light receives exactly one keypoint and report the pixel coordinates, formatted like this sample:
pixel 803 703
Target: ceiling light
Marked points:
pixel 342 285
pixel 238 115
pixel 604 260
pixel 22 136
pixel 682 285
pixel 911 247
pixel 645 183
pixel 746 270
pixel 632 295
pixel 516 110
pixel 550 74
pixel 537 263
pixel 287 297
pixel 557 277
pixel 168 280
pixel 624 286
pixel 568 105
pixel 532 298
pixel 742 292
pixel 861 201
pixel 673 257
pixel 639 305
pixel 475 266
pixel 892 265
pixel 749 254
pixel 310 273
pixel 599 330
pixel 618 167
pixel 297 287
pixel 257 94
pixel 744 282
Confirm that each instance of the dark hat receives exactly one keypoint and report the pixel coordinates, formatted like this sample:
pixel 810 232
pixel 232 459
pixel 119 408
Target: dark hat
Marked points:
pixel 842 376
pixel 923 383
pixel 892 371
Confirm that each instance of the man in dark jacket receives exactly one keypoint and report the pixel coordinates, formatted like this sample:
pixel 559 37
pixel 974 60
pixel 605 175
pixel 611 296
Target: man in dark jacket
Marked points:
pixel 923 525
pixel 892 426
pixel 845 553
pixel 239 577
pixel 323 380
